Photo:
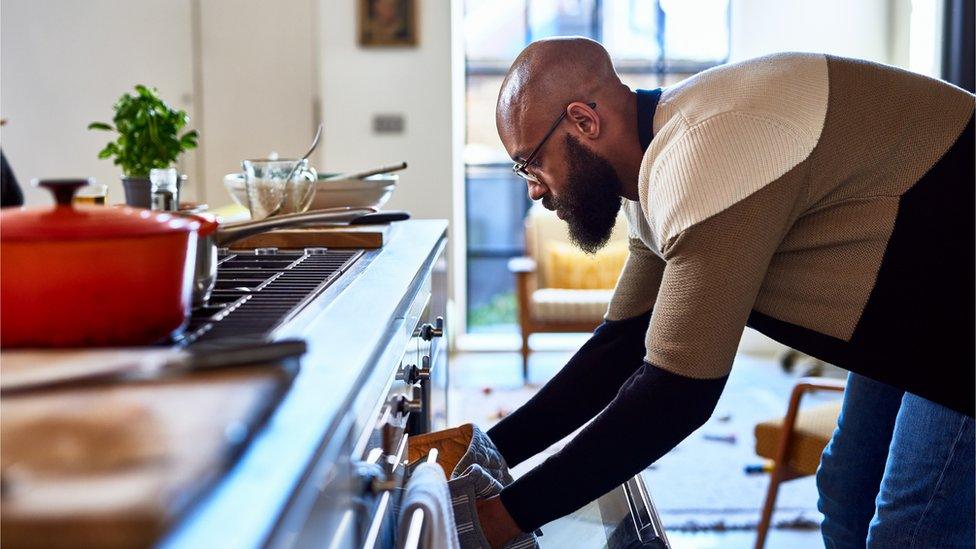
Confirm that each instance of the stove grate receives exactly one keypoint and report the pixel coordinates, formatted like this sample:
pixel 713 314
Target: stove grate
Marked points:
pixel 255 294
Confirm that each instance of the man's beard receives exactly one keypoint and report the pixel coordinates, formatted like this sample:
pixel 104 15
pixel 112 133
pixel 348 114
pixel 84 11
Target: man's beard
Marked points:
pixel 591 200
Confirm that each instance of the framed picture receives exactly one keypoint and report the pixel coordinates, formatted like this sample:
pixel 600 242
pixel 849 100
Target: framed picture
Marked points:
pixel 388 23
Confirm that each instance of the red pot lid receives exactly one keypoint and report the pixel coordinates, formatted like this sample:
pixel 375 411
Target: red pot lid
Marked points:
pixel 66 222
pixel 208 222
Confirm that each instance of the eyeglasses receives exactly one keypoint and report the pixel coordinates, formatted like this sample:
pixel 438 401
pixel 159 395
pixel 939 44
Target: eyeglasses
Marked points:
pixel 520 168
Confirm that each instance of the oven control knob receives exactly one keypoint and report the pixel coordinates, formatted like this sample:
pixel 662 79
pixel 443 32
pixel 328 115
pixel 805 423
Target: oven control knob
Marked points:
pixel 408 373
pixel 412 373
pixel 265 251
pixel 316 251
pixel 430 331
pixel 404 405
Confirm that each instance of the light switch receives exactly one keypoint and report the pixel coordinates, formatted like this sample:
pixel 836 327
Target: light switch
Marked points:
pixel 388 123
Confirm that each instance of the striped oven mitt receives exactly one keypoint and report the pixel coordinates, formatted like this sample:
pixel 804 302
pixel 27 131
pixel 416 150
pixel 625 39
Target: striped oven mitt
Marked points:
pixel 473 484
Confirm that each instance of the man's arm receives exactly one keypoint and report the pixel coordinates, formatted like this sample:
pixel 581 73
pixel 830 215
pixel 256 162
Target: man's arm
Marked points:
pixel 595 373
pixel 713 274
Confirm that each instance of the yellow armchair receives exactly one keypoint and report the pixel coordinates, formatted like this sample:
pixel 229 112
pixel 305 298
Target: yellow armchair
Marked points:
pixel 558 287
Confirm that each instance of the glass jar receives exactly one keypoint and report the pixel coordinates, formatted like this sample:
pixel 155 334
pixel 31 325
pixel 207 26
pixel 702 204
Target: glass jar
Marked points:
pixel 165 195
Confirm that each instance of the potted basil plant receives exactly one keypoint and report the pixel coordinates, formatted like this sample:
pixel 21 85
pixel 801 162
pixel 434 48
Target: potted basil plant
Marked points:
pixel 148 137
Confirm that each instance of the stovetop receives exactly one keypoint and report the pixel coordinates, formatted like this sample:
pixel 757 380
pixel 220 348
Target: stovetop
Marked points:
pixel 259 290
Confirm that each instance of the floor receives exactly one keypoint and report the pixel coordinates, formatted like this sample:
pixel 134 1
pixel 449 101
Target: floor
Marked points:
pixel 488 372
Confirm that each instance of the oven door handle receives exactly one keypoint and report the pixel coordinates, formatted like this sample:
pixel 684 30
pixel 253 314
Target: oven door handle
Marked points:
pixel 418 517
pixel 385 489
pixel 647 523
pixel 413 539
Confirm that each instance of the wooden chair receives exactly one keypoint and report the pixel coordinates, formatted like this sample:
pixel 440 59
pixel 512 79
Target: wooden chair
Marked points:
pixel 795 442
pixel 542 308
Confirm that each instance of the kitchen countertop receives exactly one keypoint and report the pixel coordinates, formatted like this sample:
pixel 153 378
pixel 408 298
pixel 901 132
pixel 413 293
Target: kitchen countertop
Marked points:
pixel 345 328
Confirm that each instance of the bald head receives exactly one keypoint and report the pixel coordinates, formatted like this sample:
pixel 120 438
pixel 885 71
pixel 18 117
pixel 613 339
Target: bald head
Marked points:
pixel 592 156
pixel 548 75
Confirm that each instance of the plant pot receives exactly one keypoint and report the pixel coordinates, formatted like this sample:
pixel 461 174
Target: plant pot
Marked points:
pixel 138 190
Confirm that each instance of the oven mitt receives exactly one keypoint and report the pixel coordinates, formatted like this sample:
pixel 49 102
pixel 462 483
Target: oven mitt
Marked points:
pixel 473 484
pixel 458 449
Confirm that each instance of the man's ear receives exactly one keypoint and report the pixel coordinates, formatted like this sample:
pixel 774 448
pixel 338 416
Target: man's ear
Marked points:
pixel 584 118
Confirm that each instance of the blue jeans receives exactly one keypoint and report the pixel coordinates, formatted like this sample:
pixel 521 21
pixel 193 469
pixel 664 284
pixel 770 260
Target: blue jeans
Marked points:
pixel 898 472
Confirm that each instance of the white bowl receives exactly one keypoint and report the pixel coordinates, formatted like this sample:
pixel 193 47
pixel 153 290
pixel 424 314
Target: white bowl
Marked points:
pixel 371 192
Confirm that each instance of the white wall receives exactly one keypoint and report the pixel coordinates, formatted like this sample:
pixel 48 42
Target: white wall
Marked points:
pixel 358 83
pixel 246 72
pixel 258 81
pixel 64 63
pixel 863 28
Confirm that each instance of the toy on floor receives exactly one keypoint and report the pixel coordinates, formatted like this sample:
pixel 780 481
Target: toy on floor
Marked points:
pixel 729 438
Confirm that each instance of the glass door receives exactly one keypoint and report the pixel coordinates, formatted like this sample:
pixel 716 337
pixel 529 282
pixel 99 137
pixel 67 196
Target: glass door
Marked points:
pixel 621 519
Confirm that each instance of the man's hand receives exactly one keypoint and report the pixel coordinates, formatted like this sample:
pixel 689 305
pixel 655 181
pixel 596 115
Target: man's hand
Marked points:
pixel 496 523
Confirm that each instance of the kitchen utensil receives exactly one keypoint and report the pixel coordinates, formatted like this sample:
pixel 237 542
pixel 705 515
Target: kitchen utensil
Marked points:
pixel 278 186
pixel 315 143
pixel 372 192
pixel 389 216
pixel 228 234
pixel 92 276
pixel 367 173
pixel 36 369
pixel 213 236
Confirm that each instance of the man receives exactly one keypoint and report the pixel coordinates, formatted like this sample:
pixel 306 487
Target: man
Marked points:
pixel 826 202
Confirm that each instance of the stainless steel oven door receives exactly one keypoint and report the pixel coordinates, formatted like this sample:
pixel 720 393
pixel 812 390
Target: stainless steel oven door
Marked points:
pixel 623 518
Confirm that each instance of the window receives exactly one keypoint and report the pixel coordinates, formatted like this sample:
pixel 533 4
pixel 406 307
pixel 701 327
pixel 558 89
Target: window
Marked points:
pixel 653 43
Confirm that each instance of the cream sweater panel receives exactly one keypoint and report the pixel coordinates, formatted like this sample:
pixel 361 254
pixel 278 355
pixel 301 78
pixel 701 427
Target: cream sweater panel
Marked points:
pixel 637 225
pixel 722 135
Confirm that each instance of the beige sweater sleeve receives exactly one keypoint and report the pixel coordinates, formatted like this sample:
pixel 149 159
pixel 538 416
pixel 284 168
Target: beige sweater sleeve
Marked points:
pixel 638 284
pixel 714 272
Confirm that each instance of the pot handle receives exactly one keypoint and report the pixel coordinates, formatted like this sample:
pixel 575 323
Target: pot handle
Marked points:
pixel 63 189
pixel 230 233
pixel 380 218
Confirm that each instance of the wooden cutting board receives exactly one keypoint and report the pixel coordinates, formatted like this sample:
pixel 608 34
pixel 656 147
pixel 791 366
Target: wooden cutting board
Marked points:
pixel 115 465
pixel 354 236
pixel 30 368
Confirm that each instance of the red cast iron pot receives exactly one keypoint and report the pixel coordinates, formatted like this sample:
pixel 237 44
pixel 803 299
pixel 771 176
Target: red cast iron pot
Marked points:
pixel 77 276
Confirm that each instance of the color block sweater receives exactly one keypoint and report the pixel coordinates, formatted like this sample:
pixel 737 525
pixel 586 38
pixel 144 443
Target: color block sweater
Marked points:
pixel 826 202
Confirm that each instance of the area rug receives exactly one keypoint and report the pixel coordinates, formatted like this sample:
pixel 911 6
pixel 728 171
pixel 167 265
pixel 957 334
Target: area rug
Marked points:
pixel 701 485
